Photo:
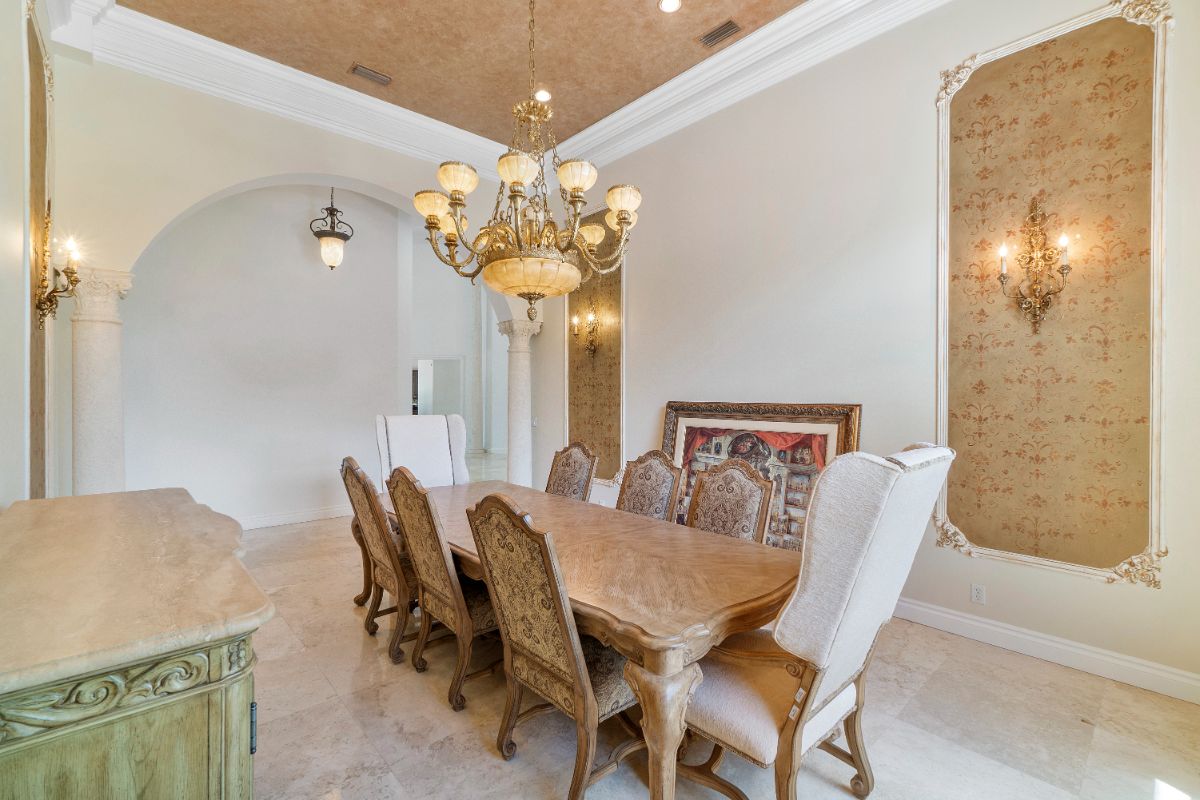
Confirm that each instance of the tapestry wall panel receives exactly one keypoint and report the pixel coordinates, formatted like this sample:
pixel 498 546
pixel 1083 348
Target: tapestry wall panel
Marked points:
pixel 594 379
pixel 1052 423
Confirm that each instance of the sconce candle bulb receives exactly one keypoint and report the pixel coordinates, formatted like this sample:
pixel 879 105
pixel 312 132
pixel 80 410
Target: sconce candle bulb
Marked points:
pixel 1003 259
pixel 1063 245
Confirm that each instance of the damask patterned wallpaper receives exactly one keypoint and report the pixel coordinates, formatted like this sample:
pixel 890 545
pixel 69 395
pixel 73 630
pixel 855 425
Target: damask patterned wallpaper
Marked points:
pixel 1052 429
pixel 594 382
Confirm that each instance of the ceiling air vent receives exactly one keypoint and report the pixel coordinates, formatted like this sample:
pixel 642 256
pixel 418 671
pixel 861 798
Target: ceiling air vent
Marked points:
pixel 370 74
pixel 720 33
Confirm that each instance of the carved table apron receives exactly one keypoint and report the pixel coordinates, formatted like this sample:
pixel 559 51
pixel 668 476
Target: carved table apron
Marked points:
pixel 660 593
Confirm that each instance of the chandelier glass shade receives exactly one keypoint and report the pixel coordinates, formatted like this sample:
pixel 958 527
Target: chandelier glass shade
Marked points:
pixel 522 250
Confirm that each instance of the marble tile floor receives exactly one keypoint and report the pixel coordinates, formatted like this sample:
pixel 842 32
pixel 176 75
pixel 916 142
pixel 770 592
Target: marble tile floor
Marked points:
pixel 947 717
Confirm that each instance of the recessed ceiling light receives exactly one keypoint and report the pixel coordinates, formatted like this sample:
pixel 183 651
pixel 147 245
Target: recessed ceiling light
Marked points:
pixel 541 95
pixel 669 6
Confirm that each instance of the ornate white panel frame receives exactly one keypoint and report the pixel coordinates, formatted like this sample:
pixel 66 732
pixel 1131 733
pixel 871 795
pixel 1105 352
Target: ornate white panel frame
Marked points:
pixel 1143 568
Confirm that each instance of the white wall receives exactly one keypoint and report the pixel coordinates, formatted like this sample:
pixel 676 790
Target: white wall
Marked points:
pixel 251 369
pixel 14 258
pixel 786 252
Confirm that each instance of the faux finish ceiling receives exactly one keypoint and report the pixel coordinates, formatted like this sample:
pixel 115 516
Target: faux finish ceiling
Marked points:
pixel 465 62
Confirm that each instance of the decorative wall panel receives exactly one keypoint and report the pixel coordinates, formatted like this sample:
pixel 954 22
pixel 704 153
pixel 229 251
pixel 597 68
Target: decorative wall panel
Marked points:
pixel 1054 427
pixel 594 380
pixel 40 87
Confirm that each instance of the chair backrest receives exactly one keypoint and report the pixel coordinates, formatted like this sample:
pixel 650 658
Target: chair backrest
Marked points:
pixel 867 517
pixel 571 472
pixel 376 531
pixel 541 642
pixel 651 486
pixel 733 499
pixel 441 593
pixel 432 446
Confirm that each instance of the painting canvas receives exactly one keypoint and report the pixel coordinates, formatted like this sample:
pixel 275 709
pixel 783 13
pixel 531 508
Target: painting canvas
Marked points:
pixel 788 444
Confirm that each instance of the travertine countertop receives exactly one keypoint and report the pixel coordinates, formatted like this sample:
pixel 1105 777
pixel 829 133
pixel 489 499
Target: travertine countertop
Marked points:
pixel 91 582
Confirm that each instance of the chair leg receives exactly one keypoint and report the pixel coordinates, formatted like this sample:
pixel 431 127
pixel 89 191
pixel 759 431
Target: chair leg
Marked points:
pixel 706 774
pixel 373 609
pixel 465 643
pixel 787 773
pixel 585 754
pixel 404 617
pixel 512 710
pixel 418 660
pixel 401 625
pixel 368 578
pixel 864 781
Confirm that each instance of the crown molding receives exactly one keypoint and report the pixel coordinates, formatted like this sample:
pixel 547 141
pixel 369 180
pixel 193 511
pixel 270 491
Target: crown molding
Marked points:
pixel 809 34
pixel 125 38
pixel 805 36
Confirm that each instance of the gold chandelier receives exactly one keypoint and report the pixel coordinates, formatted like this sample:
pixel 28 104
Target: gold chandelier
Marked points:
pixel 521 251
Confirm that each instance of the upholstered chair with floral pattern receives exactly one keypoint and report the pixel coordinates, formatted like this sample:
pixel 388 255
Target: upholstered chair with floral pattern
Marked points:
pixel 651 486
pixel 543 651
pixel 458 603
pixel 774 694
pixel 390 571
pixel 572 471
pixel 731 499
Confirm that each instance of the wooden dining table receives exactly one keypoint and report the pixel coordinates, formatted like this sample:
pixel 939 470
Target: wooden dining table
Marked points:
pixel 660 593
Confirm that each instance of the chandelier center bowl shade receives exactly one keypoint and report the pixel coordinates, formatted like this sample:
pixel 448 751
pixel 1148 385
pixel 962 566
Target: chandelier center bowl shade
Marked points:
pixel 522 250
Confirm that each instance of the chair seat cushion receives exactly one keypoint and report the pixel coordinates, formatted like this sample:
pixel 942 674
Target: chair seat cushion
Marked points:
pixel 743 706
pixel 606 670
pixel 479 604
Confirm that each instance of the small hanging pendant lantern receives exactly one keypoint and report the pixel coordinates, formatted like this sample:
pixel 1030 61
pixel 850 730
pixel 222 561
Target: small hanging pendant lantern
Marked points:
pixel 333 236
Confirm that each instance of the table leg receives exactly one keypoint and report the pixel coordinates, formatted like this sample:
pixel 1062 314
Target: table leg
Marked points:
pixel 664 700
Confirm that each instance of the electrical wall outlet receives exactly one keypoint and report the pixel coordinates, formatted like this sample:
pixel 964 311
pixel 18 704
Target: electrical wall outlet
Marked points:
pixel 979 594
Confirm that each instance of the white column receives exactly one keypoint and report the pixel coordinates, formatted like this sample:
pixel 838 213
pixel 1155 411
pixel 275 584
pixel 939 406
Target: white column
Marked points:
pixel 475 406
pixel 520 399
pixel 97 413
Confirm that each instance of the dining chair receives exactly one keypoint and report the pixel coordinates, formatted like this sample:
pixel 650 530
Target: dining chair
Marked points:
pixel 774 694
pixel 651 486
pixel 432 446
pixel 731 499
pixel 571 472
pixel 459 603
pixel 543 651
pixel 390 571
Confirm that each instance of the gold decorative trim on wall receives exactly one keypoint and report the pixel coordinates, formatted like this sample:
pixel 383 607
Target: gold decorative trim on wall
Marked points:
pixel 1143 565
pixel 41 106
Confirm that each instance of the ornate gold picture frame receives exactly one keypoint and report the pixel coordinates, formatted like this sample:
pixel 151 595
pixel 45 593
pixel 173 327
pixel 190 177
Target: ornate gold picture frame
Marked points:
pixel 1138 568
pixel 787 443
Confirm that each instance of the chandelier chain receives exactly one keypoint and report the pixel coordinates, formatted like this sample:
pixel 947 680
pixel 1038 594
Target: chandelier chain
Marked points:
pixel 532 65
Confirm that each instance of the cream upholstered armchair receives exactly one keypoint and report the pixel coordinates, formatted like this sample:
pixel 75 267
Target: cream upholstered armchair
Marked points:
pixel 432 446
pixel 774 694
pixel 571 472
pixel 651 486
pixel 543 651
pixel 731 499
pixel 391 570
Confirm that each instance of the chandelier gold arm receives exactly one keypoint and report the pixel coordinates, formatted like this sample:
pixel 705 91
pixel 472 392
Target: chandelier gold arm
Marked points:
pixel 604 265
pixel 451 261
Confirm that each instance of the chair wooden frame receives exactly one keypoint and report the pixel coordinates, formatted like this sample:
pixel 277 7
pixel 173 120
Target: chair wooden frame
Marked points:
pixel 558 459
pixel 387 569
pixel 790 754
pixel 751 474
pixel 446 607
pixel 585 709
pixel 657 456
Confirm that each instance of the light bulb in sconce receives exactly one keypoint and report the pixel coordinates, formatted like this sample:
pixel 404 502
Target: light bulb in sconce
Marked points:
pixel 1064 244
pixel 575 325
pixel 591 318
pixel 1003 259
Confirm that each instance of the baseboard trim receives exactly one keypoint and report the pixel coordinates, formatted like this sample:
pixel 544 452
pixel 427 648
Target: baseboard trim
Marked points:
pixel 292 517
pixel 1159 678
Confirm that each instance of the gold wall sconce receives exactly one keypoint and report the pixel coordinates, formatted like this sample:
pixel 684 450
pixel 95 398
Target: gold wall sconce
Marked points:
pixel 591 326
pixel 334 235
pixel 1036 289
pixel 57 281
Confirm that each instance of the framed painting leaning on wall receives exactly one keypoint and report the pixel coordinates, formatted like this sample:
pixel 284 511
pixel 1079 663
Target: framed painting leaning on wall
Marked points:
pixel 788 443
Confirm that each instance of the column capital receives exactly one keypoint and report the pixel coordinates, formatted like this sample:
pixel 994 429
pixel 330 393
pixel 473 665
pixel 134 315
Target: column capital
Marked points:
pixel 519 332
pixel 98 292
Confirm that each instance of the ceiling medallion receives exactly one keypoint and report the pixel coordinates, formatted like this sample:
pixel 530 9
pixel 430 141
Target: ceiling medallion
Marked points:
pixel 521 251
